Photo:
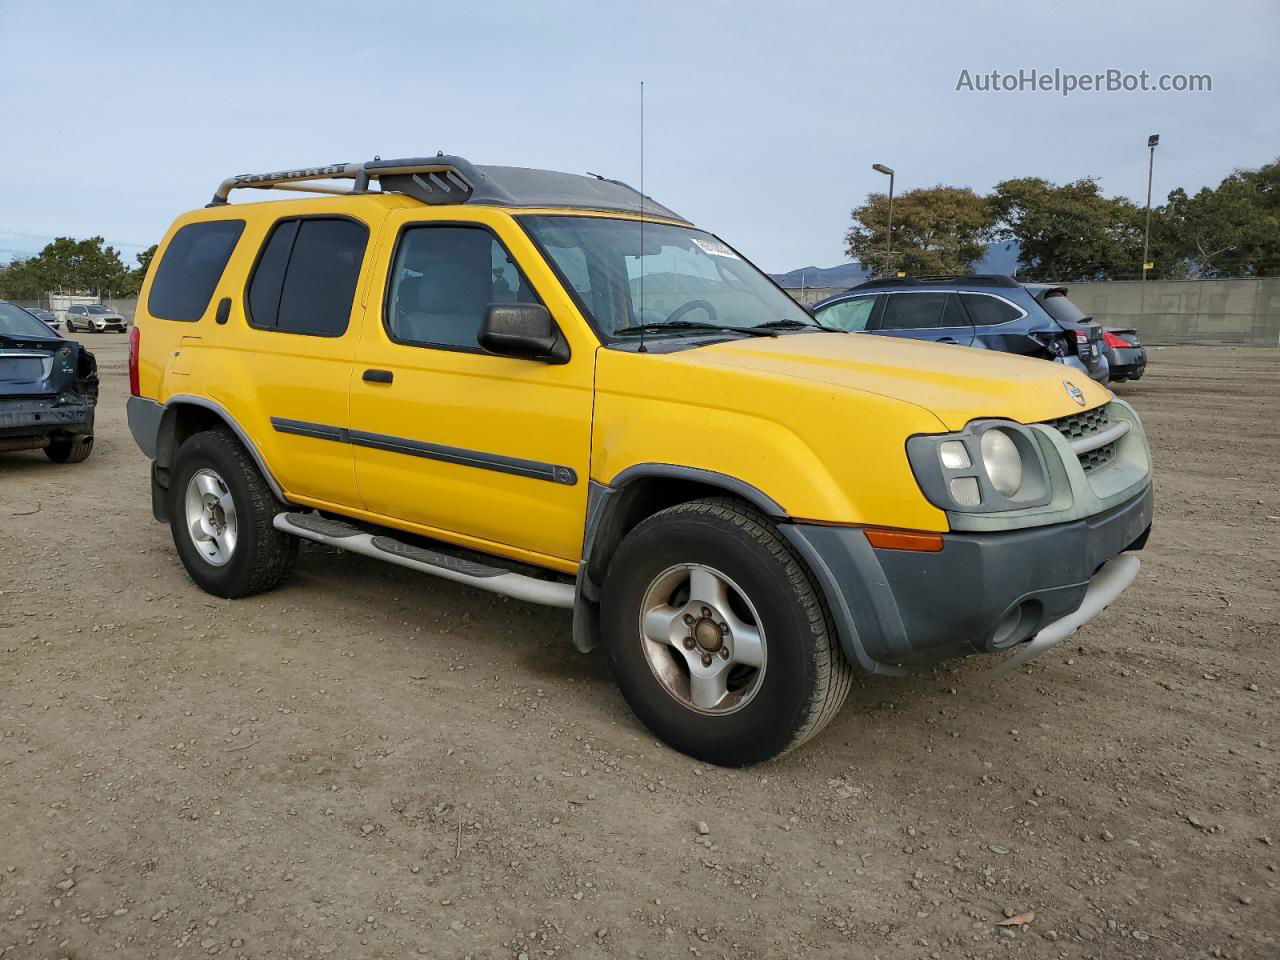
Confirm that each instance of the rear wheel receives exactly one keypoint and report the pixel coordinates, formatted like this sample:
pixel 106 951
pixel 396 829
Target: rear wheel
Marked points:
pixel 70 450
pixel 717 636
pixel 71 327
pixel 220 515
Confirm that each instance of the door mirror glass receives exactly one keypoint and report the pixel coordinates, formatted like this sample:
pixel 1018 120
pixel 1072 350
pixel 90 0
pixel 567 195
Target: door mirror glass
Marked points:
pixel 522 330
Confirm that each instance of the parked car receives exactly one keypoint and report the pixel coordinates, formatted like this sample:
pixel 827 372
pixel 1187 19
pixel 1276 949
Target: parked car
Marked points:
pixel 44 316
pixel 976 310
pixel 1126 356
pixel 48 389
pixel 95 318
pixel 505 378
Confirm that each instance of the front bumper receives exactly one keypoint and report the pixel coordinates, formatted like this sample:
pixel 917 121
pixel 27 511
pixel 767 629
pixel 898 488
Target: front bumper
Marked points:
pixel 44 416
pixel 982 593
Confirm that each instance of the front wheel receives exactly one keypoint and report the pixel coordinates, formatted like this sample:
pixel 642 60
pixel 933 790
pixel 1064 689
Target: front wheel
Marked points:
pixel 220 515
pixel 718 637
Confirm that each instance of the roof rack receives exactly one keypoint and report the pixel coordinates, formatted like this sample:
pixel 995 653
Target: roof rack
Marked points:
pixel 976 279
pixel 444 179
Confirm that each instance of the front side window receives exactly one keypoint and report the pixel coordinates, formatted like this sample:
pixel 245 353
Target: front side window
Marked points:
pixel 675 275
pixel 305 280
pixel 190 269
pixel 443 281
pixel 851 315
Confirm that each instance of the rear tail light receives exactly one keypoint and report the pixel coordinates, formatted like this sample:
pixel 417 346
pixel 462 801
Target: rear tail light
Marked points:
pixel 1115 342
pixel 134 338
pixel 1081 337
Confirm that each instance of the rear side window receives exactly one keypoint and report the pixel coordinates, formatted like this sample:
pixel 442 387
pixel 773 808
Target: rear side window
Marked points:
pixel 305 280
pixel 191 268
pixel 987 311
pixel 921 311
pixel 1062 309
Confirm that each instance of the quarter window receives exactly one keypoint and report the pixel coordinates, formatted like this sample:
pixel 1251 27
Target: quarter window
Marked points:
pixel 305 280
pixel 988 311
pixel 443 281
pixel 190 269
pixel 851 315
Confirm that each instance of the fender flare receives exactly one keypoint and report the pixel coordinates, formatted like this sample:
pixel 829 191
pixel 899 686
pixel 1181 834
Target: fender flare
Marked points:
pixel 165 448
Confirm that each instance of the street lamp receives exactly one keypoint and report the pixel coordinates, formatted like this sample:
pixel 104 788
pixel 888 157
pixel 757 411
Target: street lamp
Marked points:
pixel 888 245
pixel 1152 141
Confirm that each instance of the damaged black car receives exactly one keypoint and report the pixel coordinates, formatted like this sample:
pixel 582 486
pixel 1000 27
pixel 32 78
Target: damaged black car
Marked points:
pixel 48 389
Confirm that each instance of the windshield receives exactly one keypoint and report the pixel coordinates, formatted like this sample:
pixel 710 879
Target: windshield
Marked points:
pixel 1063 310
pixel 688 277
pixel 16 322
pixel 98 308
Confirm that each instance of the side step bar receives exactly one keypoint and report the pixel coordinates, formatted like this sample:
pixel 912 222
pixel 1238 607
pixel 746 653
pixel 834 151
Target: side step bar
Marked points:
pixel 344 536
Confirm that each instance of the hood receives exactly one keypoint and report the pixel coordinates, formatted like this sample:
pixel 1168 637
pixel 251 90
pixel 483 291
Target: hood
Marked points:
pixel 956 384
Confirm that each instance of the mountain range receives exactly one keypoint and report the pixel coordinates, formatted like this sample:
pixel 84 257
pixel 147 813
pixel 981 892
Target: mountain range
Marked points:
pixel 999 258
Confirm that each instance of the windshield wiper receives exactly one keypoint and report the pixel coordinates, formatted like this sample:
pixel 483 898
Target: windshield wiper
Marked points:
pixel 800 325
pixel 761 331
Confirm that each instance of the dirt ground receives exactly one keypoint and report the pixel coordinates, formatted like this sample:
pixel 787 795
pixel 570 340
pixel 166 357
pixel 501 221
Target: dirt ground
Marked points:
pixel 372 763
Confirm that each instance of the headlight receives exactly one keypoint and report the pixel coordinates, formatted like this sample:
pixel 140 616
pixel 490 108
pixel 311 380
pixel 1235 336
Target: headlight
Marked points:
pixel 989 466
pixel 1002 461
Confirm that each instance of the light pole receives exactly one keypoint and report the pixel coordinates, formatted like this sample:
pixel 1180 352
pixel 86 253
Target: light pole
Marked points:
pixel 1152 141
pixel 888 243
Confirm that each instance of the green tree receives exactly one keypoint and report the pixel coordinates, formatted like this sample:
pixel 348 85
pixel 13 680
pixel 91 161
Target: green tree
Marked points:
pixel 1232 230
pixel 132 282
pixel 936 230
pixel 87 266
pixel 1068 232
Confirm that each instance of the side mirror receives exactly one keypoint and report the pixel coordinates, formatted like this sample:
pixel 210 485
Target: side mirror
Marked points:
pixel 523 330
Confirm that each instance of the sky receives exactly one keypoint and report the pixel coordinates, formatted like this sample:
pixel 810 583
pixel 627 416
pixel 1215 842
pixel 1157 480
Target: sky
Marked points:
pixel 762 120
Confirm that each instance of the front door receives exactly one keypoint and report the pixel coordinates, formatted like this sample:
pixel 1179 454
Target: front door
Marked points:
pixel 488 451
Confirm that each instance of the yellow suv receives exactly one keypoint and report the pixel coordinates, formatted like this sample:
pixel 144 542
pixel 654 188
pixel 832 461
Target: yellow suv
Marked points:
pixel 551 387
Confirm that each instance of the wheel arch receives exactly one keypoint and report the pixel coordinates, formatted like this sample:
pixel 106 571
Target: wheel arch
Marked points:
pixel 615 508
pixel 183 417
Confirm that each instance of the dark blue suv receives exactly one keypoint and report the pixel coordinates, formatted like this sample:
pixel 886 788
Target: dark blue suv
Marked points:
pixel 992 312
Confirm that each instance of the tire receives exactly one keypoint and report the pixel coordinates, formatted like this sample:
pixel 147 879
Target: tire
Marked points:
pixel 802 678
pixel 72 450
pixel 214 474
pixel 71 327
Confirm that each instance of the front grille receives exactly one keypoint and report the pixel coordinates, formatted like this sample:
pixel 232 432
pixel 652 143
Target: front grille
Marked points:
pixel 1086 424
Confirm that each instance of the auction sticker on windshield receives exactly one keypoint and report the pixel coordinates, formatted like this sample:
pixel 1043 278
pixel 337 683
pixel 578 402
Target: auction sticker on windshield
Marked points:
pixel 715 248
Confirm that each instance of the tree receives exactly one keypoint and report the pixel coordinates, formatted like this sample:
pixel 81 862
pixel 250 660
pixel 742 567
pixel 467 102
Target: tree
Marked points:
pixel 936 230
pixel 1068 232
pixel 1232 230
pixel 132 282
pixel 88 265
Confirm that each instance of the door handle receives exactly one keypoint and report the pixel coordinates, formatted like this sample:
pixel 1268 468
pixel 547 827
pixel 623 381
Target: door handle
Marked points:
pixel 378 376
pixel 945 340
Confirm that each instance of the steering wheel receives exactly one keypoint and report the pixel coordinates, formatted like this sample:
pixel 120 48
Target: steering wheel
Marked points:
pixel 684 308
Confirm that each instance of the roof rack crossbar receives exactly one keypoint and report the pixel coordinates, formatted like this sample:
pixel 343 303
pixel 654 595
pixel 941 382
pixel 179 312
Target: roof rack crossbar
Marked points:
pixel 437 180
pixel 452 180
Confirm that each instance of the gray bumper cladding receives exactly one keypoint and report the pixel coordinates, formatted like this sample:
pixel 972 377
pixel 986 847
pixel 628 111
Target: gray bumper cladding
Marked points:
pixel 1112 580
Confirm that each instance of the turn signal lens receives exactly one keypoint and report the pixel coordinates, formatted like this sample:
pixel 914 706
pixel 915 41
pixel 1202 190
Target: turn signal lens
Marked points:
pixel 954 456
pixel 904 540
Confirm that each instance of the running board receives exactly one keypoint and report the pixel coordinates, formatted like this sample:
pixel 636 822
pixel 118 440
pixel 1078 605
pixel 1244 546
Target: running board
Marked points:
pixel 345 536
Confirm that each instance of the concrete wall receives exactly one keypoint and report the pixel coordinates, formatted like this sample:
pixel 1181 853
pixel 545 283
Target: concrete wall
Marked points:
pixel 1171 311
pixel 1187 311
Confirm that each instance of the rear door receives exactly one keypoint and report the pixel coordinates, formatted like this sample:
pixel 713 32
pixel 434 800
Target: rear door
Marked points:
pixel 285 353
pixel 925 315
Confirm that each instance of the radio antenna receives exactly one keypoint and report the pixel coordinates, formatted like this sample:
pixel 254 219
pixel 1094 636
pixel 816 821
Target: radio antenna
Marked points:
pixel 642 348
